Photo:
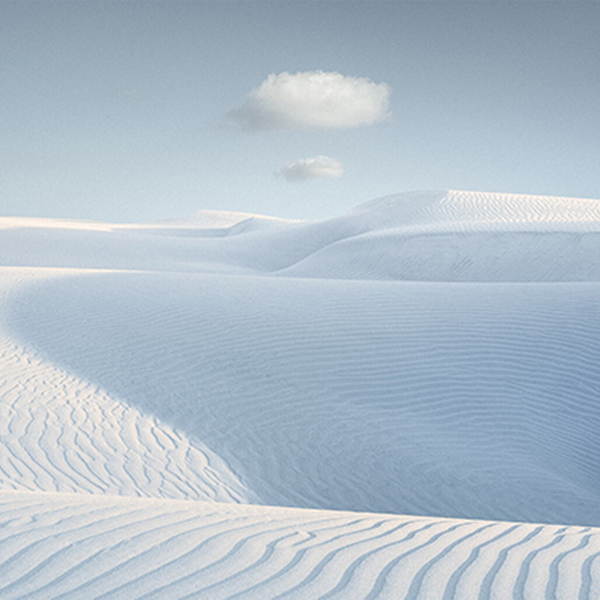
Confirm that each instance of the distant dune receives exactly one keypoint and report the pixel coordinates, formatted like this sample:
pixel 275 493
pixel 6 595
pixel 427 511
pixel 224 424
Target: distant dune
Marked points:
pixel 400 402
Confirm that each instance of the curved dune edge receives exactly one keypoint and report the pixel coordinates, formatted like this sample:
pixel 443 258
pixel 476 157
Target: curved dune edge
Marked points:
pixel 76 546
pixel 59 433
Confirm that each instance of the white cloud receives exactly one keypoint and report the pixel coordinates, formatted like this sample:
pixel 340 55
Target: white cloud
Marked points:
pixel 313 100
pixel 318 167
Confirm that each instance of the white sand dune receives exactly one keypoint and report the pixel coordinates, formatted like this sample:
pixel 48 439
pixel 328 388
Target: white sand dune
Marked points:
pixel 425 236
pixel 371 396
pixel 430 354
pixel 59 433
pixel 66 546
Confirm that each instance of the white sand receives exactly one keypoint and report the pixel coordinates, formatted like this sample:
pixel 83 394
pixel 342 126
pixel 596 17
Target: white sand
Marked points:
pixel 429 354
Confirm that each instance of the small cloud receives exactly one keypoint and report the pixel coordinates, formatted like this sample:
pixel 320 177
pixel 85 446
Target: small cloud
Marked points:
pixel 313 100
pixel 318 167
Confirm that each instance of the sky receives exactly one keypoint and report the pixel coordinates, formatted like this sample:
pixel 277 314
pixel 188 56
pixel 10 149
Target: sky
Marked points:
pixel 130 111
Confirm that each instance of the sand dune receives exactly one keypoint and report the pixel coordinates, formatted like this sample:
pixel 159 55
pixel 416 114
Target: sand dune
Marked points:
pixel 65 546
pixel 463 236
pixel 429 354
pixel 425 236
pixel 386 397
pixel 59 433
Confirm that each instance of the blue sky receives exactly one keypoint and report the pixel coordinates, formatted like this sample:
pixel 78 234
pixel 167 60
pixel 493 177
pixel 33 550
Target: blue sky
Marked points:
pixel 117 111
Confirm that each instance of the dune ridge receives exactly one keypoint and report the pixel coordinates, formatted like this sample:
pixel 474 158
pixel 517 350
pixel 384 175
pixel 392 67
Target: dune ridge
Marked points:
pixel 420 236
pixel 59 433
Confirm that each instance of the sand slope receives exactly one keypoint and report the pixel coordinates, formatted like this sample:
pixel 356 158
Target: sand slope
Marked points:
pixel 388 397
pixel 59 433
pixel 430 354
pixel 64 546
